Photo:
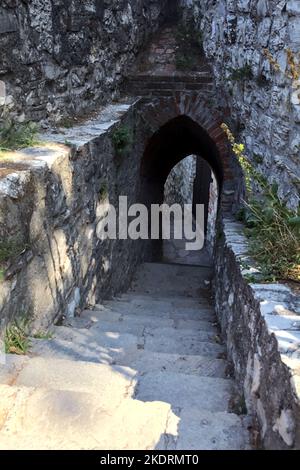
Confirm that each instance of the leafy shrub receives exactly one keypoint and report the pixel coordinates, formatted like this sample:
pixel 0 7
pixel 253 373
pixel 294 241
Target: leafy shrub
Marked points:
pixel 15 135
pixel 241 74
pixel 9 250
pixel 16 339
pixel 122 139
pixel 103 192
pixel 189 47
pixel 273 230
pixel 274 235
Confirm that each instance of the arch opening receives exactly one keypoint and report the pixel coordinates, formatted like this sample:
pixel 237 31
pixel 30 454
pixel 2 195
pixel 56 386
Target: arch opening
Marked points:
pixel 182 145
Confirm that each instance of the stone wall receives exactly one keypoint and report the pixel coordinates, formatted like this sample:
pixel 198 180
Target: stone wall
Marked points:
pixel 51 201
pixel 261 324
pixel 212 214
pixel 263 104
pixel 61 58
pixel 180 183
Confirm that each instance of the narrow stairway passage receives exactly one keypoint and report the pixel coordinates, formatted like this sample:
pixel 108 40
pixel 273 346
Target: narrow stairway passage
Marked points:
pixel 144 371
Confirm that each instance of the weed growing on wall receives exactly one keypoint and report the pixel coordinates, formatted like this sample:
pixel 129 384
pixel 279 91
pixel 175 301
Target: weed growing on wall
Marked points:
pixel 9 250
pixel 242 74
pixel 272 229
pixel 189 47
pixel 122 139
pixel 16 340
pixel 16 135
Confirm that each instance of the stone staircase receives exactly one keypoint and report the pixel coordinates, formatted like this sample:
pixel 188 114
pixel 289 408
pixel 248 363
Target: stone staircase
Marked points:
pixel 144 371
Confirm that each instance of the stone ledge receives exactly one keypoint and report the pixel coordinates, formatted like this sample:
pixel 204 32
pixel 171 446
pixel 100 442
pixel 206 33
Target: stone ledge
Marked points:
pixel 261 323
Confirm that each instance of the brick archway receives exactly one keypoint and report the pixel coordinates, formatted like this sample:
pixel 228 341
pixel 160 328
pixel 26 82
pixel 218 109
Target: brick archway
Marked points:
pixel 196 118
pixel 177 126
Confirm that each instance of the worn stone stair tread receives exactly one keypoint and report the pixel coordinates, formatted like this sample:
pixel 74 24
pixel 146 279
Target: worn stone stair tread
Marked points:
pixel 186 345
pixel 84 351
pixel 180 390
pixel 132 328
pixel 99 317
pixel 110 334
pixel 111 383
pixel 171 300
pixel 156 272
pixel 133 323
pixel 42 419
pixel 148 361
pixel 160 305
pixel 206 364
pixel 95 338
pixel 123 308
pixel 166 339
pixel 203 430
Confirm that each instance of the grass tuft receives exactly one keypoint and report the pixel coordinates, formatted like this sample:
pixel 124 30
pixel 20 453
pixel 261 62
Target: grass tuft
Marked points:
pixel 122 139
pixel 16 339
pixel 15 135
pixel 45 335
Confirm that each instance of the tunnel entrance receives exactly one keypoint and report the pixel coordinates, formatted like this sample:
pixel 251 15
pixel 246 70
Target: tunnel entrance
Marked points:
pixel 192 182
pixel 181 165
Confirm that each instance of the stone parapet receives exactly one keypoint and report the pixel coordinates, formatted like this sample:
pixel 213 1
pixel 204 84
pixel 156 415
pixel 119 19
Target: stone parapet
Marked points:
pixel 261 324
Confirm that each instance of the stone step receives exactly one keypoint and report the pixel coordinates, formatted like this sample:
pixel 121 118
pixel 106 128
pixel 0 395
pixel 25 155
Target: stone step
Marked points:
pixel 164 279
pixel 67 374
pixel 120 348
pixel 173 300
pixel 42 419
pixel 161 310
pixel 185 391
pixel 148 361
pixel 166 339
pixel 83 350
pixel 204 430
pixel 189 344
pixel 111 383
pixel 134 324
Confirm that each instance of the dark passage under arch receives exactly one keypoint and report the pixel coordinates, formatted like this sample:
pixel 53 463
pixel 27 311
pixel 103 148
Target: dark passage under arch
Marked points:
pixel 175 140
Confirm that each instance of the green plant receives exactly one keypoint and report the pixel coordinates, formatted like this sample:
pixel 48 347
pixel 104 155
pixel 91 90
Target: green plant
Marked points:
pixel 16 339
pixel 122 139
pixel 43 335
pixel 242 74
pixel 9 250
pixel 103 192
pixel 187 36
pixel 189 47
pixel 66 122
pixel 274 235
pixel 273 230
pixel 251 278
pixel 15 135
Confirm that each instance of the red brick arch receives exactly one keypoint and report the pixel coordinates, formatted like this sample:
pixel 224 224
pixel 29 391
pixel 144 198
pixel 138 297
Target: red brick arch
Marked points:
pixel 199 110
pixel 176 126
